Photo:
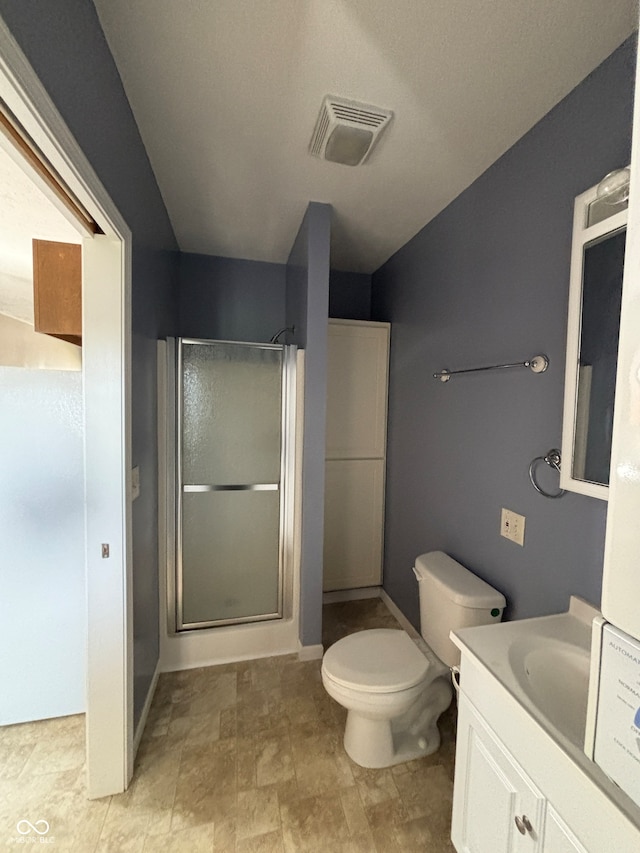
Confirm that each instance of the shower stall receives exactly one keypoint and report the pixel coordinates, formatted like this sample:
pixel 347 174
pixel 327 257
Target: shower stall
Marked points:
pixel 234 471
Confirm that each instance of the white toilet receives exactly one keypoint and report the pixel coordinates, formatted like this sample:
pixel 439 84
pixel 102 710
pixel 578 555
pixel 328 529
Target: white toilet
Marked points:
pixel 395 687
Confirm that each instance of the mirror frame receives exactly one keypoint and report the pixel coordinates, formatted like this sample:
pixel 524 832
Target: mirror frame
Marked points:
pixel 582 235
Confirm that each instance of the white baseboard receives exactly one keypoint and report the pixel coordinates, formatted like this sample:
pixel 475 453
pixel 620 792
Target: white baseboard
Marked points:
pixel 145 711
pixel 399 615
pixel 311 652
pixel 351 594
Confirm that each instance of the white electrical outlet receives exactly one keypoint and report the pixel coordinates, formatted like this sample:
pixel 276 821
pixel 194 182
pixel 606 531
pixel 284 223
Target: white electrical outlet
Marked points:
pixel 512 526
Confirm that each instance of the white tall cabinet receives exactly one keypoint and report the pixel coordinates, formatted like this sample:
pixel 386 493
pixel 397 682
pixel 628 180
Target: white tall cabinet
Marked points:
pixel 356 439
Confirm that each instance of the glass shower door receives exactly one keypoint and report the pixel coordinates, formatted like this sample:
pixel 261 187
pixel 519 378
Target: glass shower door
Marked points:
pixel 230 459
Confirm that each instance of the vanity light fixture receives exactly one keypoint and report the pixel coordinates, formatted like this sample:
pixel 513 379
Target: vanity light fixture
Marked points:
pixel 614 187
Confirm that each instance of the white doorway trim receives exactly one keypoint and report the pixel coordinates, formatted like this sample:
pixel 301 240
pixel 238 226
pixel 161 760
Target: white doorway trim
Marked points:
pixel 107 389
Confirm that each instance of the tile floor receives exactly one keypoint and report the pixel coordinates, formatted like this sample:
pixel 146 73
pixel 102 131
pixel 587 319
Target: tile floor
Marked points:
pixel 244 758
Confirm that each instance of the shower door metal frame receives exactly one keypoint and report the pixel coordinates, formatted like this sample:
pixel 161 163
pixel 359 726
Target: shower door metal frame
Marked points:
pixel 284 486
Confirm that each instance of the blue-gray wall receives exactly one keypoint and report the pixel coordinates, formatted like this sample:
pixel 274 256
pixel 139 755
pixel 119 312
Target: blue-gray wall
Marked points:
pixel 485 282
pixel 65 44
pixel 349 295
pixel 307 302
pixel 241 300
pixel 229 299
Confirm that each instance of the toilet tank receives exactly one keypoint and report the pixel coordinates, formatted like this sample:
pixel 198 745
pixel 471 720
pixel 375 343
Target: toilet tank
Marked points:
pixel 452 597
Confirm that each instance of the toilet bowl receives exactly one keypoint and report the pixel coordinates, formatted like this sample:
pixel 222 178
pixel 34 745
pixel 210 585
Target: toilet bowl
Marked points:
pixel 394 687
pixel 394 693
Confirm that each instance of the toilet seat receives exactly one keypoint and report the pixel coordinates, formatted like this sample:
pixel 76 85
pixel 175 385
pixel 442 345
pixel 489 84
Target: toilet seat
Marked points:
pixel 378 660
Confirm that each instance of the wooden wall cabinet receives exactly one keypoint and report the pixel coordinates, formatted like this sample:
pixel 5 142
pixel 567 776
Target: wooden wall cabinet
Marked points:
pixel 356 438
pixel 57 289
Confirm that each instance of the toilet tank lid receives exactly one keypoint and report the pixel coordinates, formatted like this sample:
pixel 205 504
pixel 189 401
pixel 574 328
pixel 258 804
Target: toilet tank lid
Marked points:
pixel 459 584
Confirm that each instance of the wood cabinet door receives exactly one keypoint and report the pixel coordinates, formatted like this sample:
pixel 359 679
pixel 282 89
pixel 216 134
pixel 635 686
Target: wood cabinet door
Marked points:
pixel 490 792
pixel 57 289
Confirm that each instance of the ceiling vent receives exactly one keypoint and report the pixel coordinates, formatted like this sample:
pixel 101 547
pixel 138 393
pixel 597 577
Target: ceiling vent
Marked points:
pixel 347 131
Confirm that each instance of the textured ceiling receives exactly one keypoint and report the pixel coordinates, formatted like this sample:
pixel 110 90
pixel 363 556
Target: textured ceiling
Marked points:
pixel 226 96
pixel 25 213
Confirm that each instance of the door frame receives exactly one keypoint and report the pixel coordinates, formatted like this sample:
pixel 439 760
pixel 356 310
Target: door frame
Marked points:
pixel 107 422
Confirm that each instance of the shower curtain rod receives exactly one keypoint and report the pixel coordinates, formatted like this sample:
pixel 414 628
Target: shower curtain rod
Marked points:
pixel 537 364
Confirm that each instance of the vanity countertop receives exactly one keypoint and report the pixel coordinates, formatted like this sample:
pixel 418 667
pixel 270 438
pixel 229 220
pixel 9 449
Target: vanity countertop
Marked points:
pixel 543 663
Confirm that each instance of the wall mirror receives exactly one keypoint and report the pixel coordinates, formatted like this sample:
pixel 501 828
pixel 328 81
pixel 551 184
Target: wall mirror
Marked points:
pixel 597 262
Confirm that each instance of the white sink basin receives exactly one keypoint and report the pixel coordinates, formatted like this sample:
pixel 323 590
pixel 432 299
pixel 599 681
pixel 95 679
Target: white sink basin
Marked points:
pixel 544 663
pixel 555 676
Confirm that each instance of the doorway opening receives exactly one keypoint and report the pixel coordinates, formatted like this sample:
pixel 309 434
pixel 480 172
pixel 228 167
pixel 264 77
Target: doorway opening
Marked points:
pixel 106 369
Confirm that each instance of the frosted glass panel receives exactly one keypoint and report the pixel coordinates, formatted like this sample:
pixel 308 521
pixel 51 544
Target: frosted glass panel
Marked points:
pixel 230 555
pixel 229 567
pixel 232 413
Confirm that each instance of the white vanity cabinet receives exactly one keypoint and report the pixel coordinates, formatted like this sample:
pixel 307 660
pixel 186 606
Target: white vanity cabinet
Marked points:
pixel 524 790
pixel 496 806
pixel 558 838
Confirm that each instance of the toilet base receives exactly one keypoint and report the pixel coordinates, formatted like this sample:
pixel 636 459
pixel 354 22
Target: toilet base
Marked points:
pixel 383 743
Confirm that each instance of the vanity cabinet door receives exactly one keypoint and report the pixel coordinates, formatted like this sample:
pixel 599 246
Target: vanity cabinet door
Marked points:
pixel 558 838
pixel 496 808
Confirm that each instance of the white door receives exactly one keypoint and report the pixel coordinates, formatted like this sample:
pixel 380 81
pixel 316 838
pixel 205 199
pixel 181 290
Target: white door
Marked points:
pixel 107 368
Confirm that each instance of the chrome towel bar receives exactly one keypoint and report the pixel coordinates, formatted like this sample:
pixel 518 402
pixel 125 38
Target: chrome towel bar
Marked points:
pixel 537 364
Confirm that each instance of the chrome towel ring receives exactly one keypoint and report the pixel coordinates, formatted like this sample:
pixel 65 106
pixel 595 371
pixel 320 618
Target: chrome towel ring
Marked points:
pixel 553 460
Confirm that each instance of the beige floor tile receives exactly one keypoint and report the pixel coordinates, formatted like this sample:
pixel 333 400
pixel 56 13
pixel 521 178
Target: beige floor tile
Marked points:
pixel 246 752
pixel 204 728
pixel 228 723
pixel 386 815
pixel 314 823
pixel 265 674
pixel 271 842
pixel 60 798
pixel 55 754
pixel 214 700
pixel 241 758
pixel 287 791
pixel 427 792
pixel 354 813
pixel 375 786
pixel 206 786
pixel 362 843
pixel 258 812
pixel 302 708
pixel 274 760
pixel 13 758
pixel 418 834
pixel 123 830
pixel 317 776
pixel 224 835
pixel 345 766
pixel 314 739
pixel 196 840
